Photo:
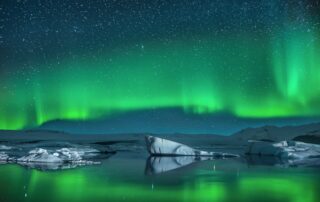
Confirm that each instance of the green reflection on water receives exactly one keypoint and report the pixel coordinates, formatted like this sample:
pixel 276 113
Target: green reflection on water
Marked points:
pixel 295 190
pixel 20 184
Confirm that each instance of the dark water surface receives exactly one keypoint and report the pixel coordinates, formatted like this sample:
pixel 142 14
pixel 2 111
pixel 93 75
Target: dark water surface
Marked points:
pixel 127 177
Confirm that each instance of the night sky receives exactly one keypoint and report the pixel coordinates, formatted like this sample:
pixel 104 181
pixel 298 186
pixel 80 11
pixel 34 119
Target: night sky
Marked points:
pixel 86 60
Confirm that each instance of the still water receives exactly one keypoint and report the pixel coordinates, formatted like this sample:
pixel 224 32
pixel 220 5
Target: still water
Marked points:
pixel 128 177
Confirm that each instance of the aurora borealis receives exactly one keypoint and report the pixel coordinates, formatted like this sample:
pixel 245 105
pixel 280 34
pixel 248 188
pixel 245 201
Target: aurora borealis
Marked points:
pixel 83 60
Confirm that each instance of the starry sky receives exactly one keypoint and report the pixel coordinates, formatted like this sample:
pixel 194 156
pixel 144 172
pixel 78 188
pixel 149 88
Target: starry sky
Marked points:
pixel 85 60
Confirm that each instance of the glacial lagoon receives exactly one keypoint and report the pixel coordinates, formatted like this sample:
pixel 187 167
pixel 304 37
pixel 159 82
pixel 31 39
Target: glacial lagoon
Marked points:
pixel 133 176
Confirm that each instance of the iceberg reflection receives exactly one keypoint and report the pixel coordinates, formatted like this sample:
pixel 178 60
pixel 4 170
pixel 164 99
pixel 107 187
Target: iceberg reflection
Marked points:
pixel 161 164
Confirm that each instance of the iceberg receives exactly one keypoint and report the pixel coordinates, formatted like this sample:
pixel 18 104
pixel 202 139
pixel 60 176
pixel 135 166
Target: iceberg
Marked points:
pixel 162 147
pixel 4 157
pixel 284 149
pixel 53 159
pixel 56 156
pixel 46 166
pixel 40 155
pixel 4 147
pixel 52 155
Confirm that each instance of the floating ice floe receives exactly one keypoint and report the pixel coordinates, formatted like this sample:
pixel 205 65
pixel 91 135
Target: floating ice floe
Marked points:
pixel 3 156
pixel 54 156
pixel 4 147
pixel 284 149
pixel 51 157
pixel 161 147
pixel 57 166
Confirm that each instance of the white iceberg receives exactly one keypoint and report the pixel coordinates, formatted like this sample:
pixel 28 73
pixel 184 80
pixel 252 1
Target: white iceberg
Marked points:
pixel 4 147
pixel 40 155
pixel 284 149
pixel 57 156
pixel 4 157
pixel 52 155
pixel 46 166
pixel 161 147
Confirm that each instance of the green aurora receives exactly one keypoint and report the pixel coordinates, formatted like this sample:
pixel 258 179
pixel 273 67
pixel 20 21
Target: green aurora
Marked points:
pixel 201 76
pixel 248 74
